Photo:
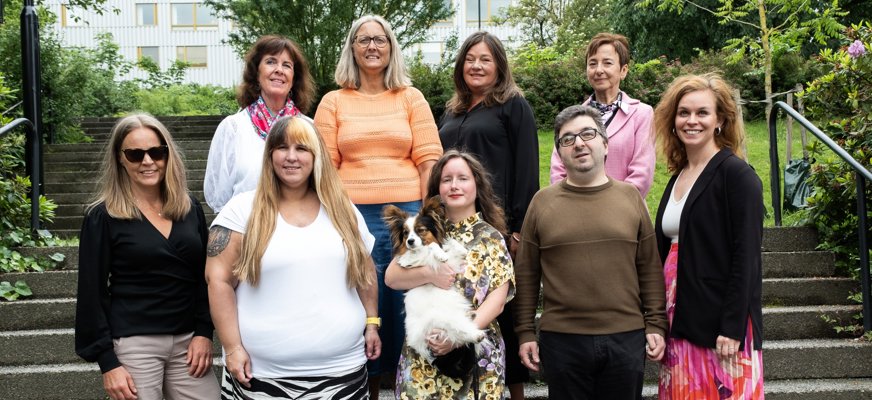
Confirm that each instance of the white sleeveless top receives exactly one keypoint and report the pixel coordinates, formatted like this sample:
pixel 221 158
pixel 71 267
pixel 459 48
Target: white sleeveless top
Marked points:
pixel 672 214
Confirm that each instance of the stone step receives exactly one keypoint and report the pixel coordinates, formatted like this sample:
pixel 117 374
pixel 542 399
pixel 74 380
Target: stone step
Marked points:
pixel 84 198
pixel 25 315
pixel 71 260
pixel 50 284
pixel 62 222
pixel 808 291
pixel 184 145
pixel 798 264
pixel 97 156
pixel 193 133
pixel 165 119
pixel 94 175
pixel 806 322
pixel 789 238
pixel 79 166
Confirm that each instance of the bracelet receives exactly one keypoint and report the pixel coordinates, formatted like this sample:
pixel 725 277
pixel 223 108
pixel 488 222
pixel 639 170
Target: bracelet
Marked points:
pixel 516 237
pixel 374 321
pixel 231 353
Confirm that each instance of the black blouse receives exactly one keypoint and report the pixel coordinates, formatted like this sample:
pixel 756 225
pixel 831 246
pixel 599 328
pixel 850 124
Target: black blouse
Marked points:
pixel 503 137
pixel 134 281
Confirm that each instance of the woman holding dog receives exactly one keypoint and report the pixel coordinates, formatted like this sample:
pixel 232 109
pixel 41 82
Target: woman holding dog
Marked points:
pixel 476 220
pixel 489 117
pixel 291 281
pixel 709 231
pixel 382 138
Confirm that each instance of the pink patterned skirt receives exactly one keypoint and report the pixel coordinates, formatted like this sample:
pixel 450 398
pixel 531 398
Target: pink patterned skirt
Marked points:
pixel 690 372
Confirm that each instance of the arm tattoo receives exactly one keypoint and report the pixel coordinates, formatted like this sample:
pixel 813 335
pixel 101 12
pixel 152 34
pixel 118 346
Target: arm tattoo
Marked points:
pixel 219 237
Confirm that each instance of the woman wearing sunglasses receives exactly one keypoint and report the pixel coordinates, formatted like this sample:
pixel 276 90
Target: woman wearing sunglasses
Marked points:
pixel 142 311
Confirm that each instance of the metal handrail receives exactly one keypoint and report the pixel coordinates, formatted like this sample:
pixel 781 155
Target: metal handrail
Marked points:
pixel 34 172
pixel 862 174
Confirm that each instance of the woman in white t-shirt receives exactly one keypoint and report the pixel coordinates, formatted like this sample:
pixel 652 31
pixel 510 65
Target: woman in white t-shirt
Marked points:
pixel 291 282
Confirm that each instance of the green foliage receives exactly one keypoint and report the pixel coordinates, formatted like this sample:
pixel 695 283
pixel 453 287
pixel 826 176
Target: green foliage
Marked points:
pixel 157 78
pixel 550 81
pixel 435 81
pixel 564 24
pixel 647 81
pixel 13 292
pixel 841 100
pixel 320 26
pixel 186 99
pixel 852 327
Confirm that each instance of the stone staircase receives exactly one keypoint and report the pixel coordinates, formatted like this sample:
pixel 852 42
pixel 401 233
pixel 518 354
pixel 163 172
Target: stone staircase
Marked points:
pixel 804 359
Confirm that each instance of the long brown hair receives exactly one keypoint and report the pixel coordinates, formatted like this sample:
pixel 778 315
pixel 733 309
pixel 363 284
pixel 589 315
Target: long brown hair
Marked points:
pixel 486 201
pixel 732 131
pixel 504 87
pixel 303 86
pixel 325 181
pixel 115 190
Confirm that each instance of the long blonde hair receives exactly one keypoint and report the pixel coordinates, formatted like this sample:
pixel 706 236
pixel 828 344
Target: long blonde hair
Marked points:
pixel 115 189
pixel 325 181
pixel 732 131
pixel 347 73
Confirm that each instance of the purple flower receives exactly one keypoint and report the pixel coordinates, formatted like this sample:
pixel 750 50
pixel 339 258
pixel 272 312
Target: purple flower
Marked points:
pixel 856 49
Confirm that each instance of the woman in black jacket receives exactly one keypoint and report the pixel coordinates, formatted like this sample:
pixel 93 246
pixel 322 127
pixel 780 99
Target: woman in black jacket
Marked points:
pixel 709 231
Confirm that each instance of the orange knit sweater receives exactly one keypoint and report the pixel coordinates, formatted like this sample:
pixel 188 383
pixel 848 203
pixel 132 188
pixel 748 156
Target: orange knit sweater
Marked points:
pixel 377 142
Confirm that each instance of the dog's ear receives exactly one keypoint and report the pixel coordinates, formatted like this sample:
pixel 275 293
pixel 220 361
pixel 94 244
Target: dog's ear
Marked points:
pixel 434 210
pixel 395 218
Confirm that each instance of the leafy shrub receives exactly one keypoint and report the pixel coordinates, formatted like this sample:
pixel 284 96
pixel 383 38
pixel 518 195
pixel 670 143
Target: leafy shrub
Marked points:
pixel 647 81
pixel 186 99
pixel 436 82
pixel 550 81
pixel 841 100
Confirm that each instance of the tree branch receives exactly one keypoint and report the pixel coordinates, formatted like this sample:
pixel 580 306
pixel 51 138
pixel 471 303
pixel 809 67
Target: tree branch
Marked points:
pixel 716 14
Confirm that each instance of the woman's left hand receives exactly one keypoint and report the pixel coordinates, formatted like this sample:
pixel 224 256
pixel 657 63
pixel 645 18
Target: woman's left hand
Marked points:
pixel 726 347
pixel 199 357
pixel 439 343
pixel 373 342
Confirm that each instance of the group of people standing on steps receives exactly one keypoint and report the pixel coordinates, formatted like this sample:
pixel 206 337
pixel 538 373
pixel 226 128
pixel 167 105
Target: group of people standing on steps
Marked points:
pixel 296 275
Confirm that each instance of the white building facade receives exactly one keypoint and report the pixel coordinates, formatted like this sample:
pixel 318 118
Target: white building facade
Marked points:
pixel 170 30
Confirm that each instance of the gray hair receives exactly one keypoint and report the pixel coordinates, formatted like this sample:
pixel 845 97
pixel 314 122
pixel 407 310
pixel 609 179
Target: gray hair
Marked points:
pixel 347 73
pixel 572 112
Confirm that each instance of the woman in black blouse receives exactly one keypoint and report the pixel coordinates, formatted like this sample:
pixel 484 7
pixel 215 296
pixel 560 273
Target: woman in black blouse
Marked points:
pixel 142 312
pixel 489 117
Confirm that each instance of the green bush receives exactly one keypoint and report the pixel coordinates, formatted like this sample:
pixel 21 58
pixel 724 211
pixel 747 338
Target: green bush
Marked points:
pixel 841 100
pixel 436 82
pixel 647 81
pixel 550 81
pixel 186 99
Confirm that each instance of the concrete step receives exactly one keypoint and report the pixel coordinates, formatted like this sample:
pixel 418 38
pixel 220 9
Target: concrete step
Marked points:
pixel 25 315
pixel 79 166
pixel 64 222
pixel 805 322
pixel 798 264
pixel 790 238
pixel 168 120
pixel 58 176
pixel 50 284
pixel 71 261
pixel 191 133
pixel 84 198
pixel 808 291
pixel 97 156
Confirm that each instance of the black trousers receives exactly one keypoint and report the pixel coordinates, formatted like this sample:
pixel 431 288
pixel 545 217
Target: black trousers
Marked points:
pixel 588 367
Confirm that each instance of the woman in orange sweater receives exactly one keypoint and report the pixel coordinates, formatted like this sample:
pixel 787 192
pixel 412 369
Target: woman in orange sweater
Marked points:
pixel 382 137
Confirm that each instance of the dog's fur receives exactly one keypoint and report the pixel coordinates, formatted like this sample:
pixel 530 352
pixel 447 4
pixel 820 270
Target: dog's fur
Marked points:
pixel 420 240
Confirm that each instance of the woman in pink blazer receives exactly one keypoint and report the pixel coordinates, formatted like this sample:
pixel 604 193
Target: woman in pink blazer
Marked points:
pixel 627 120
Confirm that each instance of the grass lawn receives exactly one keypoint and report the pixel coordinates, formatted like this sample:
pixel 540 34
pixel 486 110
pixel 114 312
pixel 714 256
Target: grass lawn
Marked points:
pixel 757 142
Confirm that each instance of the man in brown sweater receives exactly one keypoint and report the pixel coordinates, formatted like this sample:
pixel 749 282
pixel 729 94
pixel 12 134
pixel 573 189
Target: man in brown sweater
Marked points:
pixel 589 241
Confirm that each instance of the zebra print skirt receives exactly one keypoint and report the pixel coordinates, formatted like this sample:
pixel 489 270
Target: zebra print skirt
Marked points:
pixel 346 386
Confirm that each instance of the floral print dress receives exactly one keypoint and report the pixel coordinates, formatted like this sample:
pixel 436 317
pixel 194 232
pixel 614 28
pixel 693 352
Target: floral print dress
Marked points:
pixel 488 267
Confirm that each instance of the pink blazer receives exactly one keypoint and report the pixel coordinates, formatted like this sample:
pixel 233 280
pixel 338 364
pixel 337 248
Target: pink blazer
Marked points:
pixel 631 147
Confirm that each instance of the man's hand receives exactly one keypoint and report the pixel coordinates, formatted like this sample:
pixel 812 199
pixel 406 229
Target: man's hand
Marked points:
pixel 655 347
pixel 529 353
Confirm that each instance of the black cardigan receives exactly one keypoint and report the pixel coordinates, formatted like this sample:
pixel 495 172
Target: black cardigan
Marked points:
pixel 720 277
pixel 503 137
pixel 134 281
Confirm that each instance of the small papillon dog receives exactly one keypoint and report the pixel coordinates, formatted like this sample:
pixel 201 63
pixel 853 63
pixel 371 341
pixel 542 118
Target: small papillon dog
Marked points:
pixel 420 241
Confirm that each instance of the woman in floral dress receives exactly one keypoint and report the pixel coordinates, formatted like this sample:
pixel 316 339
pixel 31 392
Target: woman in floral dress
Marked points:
pixel 476 221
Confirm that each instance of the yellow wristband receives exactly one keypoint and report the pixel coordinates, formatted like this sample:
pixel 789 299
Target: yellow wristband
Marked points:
pixel 374 321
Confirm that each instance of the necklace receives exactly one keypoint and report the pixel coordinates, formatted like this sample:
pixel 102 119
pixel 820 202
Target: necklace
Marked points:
pixel 149 207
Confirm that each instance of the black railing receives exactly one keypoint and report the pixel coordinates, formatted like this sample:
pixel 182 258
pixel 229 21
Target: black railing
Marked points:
pixel 862 174
pixel 34 165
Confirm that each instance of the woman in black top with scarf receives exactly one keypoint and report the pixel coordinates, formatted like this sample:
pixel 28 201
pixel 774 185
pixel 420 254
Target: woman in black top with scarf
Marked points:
pixel 142 311
pixel 489 117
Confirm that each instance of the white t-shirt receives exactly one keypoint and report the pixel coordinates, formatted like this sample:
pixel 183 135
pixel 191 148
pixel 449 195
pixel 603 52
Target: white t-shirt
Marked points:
pixel 301 319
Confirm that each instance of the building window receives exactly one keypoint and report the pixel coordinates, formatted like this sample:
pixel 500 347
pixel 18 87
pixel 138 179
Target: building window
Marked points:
pixel 146 14
pixel 489 9
pixel 193 15
pixel 449 20
pixel 194 55
pixel 71 17
pixel 150 52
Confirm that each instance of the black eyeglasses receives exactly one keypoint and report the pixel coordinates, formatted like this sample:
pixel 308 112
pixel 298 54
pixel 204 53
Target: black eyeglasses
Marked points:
pixel 586 135
pixel 364 41
pixel 157 153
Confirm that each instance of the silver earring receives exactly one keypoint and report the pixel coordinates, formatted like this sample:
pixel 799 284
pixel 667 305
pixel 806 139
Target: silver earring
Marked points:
pixel 673 132
pixel 717 131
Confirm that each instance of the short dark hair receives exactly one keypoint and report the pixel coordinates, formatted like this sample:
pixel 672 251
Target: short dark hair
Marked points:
pixel 303 87
pixel 572 112
pixel 619 42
